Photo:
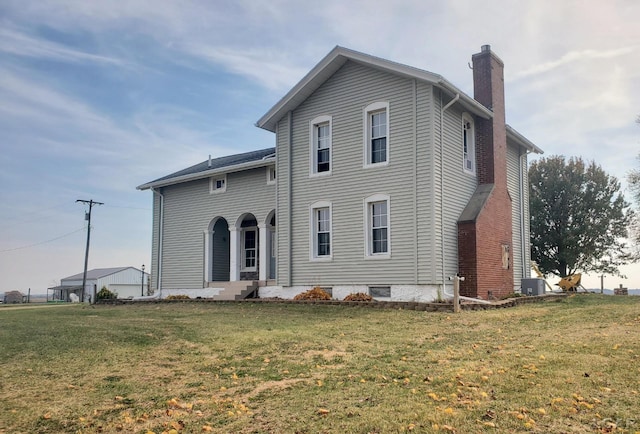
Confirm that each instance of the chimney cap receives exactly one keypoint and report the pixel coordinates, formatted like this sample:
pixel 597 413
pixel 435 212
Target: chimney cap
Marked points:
pixel 485 48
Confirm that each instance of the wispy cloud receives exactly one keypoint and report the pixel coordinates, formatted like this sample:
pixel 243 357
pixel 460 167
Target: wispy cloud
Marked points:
pixel 21 44
pixel 573 57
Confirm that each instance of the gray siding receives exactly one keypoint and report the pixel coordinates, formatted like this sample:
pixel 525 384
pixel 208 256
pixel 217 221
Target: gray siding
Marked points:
pixel 344 96
pixel 517 166
pixel 458 187
pixel 155 241
pixel 425 176
pixel 189 209
pixel 283 210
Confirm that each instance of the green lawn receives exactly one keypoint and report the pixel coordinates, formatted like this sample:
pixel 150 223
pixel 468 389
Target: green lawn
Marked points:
pixel 570 366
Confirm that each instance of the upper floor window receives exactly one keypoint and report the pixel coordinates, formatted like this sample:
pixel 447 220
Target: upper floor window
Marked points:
pixel 320 230
pixel 468 144
pixel 218 184
pixel 377 226
pixel 376 124
pixel 271 175
pixel 320 138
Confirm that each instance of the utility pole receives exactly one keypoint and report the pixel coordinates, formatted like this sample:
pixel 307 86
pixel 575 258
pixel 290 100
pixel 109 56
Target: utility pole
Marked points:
pixel 87 217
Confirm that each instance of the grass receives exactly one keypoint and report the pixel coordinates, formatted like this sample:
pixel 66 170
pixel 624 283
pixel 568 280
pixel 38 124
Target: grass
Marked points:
pixel 570 366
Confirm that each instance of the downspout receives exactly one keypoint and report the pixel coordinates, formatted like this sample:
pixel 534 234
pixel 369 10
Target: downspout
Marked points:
pixel 290 197
pixel 160 238
pixel 415 178
pixel 523 215
pixel 442 110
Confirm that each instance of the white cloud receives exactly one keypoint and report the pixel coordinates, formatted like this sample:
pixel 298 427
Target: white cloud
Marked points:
pixel 575 57
pixel 17 43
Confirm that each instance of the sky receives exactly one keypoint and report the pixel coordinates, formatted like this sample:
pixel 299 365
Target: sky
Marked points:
pixel 98 97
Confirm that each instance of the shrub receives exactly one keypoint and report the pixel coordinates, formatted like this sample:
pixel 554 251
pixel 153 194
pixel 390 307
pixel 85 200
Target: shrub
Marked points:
pixel 359 296
pixel 105 294
pixel 313 294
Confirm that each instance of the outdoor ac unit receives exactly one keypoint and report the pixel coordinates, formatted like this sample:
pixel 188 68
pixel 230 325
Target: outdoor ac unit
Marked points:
pixel 532 287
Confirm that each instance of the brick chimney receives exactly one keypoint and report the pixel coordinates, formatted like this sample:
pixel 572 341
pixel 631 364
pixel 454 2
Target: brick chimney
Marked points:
pixel 484 228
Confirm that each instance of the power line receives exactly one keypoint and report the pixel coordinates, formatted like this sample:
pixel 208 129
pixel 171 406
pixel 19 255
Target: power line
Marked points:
pixel 42 242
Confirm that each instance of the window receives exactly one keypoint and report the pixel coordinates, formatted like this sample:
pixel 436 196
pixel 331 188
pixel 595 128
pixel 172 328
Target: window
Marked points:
pixel 468 144
pixel 218 184
pixel 376 134
pixel 380 291
pixel 320 138
pixel 271 175
pixel 249 243
pixel 320 222
pixel 377 226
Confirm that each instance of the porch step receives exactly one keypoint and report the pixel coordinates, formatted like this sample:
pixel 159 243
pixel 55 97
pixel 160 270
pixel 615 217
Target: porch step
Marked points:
pixel 238 290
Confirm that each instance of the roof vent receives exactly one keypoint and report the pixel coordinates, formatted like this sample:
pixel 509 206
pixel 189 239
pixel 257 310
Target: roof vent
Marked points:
pixel 209 160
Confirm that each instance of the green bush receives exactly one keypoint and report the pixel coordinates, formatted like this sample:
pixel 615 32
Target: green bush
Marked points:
pixel 105 294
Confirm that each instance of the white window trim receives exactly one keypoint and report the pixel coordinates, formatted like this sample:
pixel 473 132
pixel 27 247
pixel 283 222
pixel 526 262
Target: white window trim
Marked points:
pixel 313 240
pixel 313 155
pixel 368 245
pixel 270 170
pixel 368 110
pixel 212 184
pixel 472 152
pixel 243 251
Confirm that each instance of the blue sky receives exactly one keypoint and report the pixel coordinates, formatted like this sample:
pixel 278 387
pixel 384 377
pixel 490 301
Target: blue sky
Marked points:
pixel 98 97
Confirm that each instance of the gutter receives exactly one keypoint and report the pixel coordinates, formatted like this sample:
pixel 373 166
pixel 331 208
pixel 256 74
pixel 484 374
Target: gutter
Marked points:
pixel 160 237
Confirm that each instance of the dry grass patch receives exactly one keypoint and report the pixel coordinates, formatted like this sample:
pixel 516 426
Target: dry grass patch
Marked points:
pixel 570 366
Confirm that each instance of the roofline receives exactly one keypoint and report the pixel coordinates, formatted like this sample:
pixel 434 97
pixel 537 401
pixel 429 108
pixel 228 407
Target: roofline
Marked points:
pixel 118 270
pixel 522 140
pixel 268 120
pixel 268 161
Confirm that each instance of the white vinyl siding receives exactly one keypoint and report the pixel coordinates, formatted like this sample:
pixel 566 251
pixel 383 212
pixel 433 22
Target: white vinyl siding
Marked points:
pixel 520 254
pixel 455 195
pixel 189 210
pixel 345 95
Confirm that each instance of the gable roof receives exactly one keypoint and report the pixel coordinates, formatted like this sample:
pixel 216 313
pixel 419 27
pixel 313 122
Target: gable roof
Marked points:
pixel 338 57
pixel 96 273
pixel 227 164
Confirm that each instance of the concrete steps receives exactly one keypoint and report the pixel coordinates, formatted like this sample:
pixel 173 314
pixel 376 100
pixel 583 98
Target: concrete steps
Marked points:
pixel 238 290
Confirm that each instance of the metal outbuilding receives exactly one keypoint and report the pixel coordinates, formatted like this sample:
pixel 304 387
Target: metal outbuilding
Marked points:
pixel 125 282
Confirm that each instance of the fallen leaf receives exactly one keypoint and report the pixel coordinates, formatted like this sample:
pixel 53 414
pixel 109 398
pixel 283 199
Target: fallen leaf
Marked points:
pixel 323 411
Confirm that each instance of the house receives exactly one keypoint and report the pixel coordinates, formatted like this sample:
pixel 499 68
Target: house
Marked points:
pixel 125 282
pixel 390 180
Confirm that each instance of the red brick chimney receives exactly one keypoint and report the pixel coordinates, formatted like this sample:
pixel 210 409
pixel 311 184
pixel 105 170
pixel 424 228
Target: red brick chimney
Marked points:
pixel 484 228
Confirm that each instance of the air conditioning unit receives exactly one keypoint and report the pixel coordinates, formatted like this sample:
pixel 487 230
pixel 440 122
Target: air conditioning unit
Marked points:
pixel 532 287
